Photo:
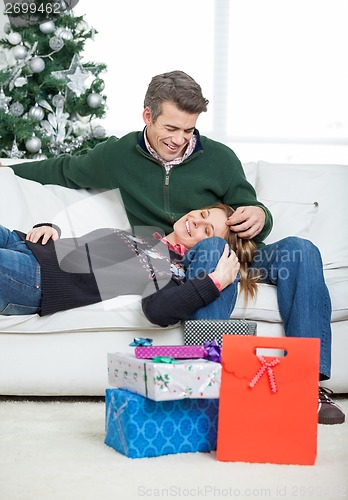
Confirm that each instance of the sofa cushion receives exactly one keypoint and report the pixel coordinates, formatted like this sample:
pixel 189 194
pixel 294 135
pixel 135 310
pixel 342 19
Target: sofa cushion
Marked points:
pixel 250 170
pixel 24 203
pixel 324 184
pixel 290 219
pixel 123 313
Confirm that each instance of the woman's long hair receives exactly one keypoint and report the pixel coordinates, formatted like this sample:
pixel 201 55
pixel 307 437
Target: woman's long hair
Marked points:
pixel 245 251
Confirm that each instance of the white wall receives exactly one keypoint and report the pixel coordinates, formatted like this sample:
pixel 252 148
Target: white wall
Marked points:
pixel 275 71
pixel 138 39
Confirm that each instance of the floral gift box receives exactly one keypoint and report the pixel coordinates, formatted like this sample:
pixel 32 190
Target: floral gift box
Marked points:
pixel 163 378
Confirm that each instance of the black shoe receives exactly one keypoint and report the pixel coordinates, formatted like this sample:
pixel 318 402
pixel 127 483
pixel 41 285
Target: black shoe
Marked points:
pixel 328 411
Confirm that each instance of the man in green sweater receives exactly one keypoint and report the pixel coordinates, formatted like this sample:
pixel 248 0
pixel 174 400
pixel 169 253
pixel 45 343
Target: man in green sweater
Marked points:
pixel 168 169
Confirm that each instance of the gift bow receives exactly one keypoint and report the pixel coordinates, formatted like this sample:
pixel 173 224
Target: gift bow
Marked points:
pixel 266 366
pixel 140 341
pixel 164 359
pixel 212 351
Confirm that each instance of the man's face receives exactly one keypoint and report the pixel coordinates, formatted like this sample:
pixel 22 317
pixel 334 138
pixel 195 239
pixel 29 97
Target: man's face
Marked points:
pixel 171 132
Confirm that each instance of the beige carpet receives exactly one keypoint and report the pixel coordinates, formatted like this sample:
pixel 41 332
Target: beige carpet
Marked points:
pixel 54 450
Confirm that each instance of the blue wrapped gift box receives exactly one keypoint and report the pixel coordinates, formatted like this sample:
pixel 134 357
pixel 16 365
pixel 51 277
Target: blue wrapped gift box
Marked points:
pixel 139 427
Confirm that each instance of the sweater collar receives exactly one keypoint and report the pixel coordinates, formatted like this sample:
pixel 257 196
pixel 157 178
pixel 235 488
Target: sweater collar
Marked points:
pixel 176 161
pixel 177 248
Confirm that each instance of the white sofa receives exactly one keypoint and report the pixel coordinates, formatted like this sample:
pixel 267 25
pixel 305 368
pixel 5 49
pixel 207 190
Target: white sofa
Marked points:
pixel 65 354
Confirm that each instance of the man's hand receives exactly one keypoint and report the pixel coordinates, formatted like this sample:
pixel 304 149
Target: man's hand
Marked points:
pixel 46 232
pixel 247 222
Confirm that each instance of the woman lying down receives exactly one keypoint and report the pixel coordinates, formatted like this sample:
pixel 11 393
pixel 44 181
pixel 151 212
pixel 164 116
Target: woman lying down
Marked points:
pixel 190 273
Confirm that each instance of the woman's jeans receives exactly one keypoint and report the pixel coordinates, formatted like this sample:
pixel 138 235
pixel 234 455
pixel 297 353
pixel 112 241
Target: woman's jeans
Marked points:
pixel 295 267
pixel 20 276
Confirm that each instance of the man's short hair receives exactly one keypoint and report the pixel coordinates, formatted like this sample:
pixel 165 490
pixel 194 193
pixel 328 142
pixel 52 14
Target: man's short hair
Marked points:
pixel 176 87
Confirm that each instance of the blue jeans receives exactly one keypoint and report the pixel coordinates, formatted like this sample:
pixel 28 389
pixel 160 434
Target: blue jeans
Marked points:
pixel 20 276
pixel 295 267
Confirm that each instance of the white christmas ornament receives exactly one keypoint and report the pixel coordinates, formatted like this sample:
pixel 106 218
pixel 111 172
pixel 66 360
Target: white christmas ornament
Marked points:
pixel 82 26
pixel 83 119
pixel 78 76
pixel 14 152
pixel 94 100
pixel 47 27
pixel 37 64
pixel 20 82
pixel 33 144
pixel 14 38
pixel 78 82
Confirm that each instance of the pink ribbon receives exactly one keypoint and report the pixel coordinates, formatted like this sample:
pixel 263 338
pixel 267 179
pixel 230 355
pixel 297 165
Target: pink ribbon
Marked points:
pixel 266 366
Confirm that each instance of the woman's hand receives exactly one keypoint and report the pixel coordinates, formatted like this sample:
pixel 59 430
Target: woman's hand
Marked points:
pixel 46 232
pixel 227 268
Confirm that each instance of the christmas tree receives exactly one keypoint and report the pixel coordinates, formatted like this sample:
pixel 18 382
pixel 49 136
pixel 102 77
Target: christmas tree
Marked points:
pixel 50 101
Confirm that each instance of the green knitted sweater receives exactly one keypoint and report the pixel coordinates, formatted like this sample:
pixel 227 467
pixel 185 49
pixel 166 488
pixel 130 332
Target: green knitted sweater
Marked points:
pixel 151 196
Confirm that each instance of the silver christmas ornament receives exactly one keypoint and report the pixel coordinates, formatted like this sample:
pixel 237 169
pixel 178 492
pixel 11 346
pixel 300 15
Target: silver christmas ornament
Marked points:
pixel 39 156
pixel 98 132
pixel 33 144
pixel 37 64
pixel 58 100
pixel 36 113
pixel 16 109
pixel 14 38
pixel 56 43
pixel 98 84
pixel 47 27
pixel 94 100
pixel 20 52
pixel 64 33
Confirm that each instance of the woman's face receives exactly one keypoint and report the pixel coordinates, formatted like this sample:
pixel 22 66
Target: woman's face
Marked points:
pixel 199 224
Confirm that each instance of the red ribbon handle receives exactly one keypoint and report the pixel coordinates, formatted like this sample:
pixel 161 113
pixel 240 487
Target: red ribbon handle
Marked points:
pixel 266 366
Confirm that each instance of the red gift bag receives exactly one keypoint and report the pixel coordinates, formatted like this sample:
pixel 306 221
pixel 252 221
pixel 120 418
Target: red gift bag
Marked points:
pixel 268 408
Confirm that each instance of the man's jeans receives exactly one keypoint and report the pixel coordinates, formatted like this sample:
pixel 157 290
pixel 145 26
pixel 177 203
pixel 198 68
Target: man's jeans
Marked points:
pixel 295 267
pixel 20 276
